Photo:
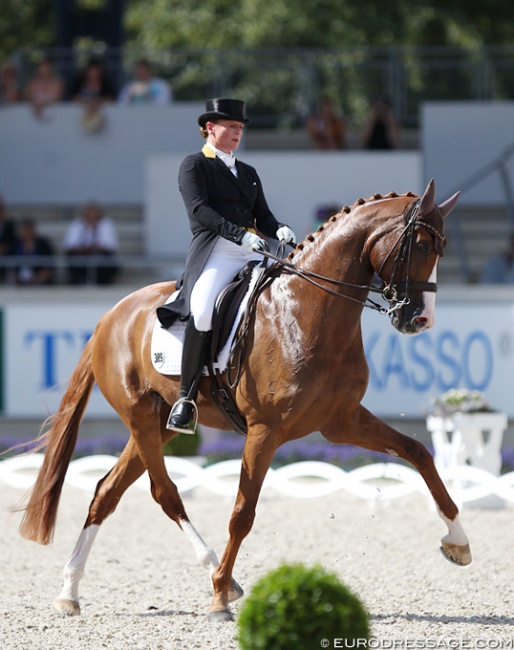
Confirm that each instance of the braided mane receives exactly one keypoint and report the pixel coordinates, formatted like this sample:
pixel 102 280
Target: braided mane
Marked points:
pixel 344 211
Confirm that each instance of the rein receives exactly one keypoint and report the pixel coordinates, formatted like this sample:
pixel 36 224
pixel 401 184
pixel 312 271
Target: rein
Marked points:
pixel 391 291
pixel 310 275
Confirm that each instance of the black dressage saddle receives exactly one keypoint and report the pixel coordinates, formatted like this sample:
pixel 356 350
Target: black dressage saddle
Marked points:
pixel 225 312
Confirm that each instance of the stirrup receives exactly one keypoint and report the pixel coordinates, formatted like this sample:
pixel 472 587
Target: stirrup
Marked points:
pixel 189 429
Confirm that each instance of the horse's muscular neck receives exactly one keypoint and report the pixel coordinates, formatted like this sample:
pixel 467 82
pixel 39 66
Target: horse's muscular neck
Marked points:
pixel 310 322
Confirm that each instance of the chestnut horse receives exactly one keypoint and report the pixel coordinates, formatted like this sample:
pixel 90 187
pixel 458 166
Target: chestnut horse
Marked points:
pixel 304 370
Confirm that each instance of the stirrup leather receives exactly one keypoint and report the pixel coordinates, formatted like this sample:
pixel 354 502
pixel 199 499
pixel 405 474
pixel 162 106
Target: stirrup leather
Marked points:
pixel 191 427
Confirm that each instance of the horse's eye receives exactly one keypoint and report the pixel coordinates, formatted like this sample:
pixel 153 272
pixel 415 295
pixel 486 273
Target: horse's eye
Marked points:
pixel 422 246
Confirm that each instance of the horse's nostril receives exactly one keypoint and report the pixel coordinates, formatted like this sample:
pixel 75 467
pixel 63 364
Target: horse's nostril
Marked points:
pixel 422 320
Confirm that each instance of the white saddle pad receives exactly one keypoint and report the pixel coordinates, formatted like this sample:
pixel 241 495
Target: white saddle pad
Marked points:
pixel 166 347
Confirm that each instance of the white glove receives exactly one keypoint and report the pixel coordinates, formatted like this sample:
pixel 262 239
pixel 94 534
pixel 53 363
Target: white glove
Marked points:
pixel 253 242
pixel 286 235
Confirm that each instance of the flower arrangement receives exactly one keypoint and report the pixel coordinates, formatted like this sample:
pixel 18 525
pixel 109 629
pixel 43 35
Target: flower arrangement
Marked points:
pixel 461 400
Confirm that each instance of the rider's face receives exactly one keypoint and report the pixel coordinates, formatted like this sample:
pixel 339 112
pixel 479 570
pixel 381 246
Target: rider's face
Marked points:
pixel 225 134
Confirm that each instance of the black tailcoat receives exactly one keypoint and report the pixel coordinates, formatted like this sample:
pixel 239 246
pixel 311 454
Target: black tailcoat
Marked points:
pixel 218 205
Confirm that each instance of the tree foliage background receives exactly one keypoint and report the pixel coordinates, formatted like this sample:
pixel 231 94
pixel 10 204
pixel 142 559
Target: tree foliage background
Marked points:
pixel 220 28
pixel 156 24
pixel 318 23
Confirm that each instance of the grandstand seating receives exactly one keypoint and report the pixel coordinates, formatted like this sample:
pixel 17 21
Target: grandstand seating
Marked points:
pixel 484 231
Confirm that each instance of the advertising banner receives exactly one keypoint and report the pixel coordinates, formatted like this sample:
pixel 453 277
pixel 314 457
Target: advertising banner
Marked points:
pixel 470 347
pixel 43 344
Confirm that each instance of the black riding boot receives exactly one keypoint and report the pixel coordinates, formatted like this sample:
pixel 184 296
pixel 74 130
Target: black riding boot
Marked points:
pixel 194 357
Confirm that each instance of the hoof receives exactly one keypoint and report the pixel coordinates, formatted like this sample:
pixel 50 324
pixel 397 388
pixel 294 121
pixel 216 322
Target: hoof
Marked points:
pixel 456 554
pixel 235 592
pixel 67 607
pixel 221 616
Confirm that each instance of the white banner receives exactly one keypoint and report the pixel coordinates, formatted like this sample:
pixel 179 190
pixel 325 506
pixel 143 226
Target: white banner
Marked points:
pixel 43 344
pixel 470 347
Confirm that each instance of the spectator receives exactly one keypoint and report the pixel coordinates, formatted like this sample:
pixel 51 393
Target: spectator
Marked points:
pixel 93 83
pixel 28 244
pixel 93 88
pixel 145 88
pixel 499 269
pixel 9 87
pixel 380 130
pixel 7 236
pixel 327 131
pixel 92 235
pixel 45 87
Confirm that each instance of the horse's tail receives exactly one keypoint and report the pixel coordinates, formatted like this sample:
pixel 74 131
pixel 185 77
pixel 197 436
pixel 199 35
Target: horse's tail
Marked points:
pixel 40 515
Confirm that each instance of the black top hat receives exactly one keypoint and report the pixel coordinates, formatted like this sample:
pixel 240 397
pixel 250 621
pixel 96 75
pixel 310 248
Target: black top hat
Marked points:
pixel 223 109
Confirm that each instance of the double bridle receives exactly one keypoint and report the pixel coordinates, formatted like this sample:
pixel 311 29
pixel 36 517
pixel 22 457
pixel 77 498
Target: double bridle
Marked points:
pixel 395 292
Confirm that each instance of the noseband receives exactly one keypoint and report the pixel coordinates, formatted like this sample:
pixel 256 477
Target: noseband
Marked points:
pixel 396 288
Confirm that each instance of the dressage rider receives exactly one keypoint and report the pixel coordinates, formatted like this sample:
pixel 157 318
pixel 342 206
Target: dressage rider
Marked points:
pixel 228 215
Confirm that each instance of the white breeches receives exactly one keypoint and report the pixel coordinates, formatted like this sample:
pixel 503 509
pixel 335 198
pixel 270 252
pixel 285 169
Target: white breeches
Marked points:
pixel 225 261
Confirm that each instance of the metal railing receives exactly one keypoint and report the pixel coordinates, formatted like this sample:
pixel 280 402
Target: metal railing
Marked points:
pixel 132 269
pixel 496 166
pixel 282 85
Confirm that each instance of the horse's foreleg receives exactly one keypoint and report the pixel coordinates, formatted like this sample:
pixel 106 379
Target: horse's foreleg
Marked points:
pixel 107 495
pixel 257 455
pixel 365 430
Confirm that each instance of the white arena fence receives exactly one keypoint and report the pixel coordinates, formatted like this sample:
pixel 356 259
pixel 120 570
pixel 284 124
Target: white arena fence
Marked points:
pixel 303 480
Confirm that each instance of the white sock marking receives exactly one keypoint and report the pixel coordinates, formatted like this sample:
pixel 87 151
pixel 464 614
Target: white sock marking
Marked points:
pixel 206 556
pixel 74 569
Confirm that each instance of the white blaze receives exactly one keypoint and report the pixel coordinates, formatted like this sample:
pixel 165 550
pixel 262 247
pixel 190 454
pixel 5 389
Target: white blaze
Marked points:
pixel 429 301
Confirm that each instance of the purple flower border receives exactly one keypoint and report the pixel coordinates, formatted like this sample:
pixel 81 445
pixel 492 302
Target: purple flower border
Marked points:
pixel 231 446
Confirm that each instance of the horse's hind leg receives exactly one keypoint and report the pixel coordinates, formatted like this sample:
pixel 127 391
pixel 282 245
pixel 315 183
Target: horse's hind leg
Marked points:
pixel 165 493
pixel 108 492
pixel 366 430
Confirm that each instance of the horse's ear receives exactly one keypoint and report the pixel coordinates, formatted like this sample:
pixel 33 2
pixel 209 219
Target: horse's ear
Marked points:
pixel 447 206
pixel 428 199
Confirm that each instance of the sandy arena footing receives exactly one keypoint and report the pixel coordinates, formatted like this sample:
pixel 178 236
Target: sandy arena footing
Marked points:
pixel 143 589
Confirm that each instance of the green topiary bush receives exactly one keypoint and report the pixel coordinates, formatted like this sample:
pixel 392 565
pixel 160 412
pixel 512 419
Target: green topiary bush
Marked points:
pixel 298 607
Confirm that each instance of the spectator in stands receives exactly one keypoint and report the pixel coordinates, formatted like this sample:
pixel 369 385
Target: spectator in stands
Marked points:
pixel 29 244
pixel 92 235
pixel 93 83
pixel 380 130
pixel 9 87
pixel 45 87
pixel 145 88
pixel 499 269
pixel 327 130
pixel 7 236
pixel 93 88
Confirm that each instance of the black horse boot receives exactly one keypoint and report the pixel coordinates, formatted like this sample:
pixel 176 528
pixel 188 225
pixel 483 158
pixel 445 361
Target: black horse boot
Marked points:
pixel 194 357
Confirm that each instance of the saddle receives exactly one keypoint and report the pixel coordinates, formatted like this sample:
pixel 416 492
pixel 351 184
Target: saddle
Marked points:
pixel 253 277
